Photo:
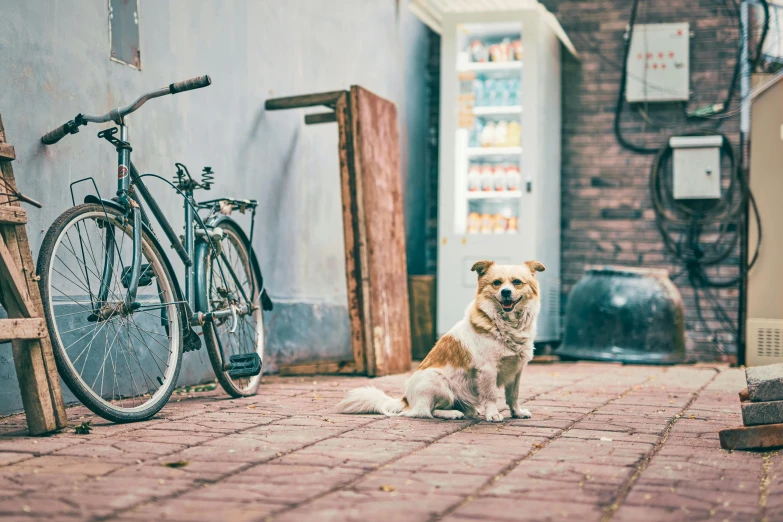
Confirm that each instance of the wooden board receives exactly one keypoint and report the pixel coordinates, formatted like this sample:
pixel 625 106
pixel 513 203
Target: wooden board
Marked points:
pixel 12 215
pixel 375 267
pixel 381 233
pixel 11 329
pixel 353 277
pixel 36 369
pixel 319 367
pixel 422 314
pixel 752 437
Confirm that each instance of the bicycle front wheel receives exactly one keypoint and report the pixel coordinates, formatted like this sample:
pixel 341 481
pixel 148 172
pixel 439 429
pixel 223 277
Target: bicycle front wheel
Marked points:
pixel 231 281
pixel 121 362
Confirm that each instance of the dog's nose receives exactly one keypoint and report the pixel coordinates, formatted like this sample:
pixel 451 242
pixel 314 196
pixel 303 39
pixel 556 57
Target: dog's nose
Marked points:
pixel 505 293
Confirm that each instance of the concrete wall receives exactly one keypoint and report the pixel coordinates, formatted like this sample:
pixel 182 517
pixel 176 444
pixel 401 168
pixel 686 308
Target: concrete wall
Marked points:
pixel 54 63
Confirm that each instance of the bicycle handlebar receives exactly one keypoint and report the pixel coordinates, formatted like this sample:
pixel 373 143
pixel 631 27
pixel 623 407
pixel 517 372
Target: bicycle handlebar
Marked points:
pixel 52 137
pixel 116 115
pixel 188 85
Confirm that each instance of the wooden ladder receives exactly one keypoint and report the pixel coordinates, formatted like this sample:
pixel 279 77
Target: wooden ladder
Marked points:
pixel 19 294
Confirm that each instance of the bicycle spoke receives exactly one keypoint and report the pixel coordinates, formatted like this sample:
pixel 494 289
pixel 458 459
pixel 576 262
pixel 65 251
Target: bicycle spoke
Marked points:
pixel 124 360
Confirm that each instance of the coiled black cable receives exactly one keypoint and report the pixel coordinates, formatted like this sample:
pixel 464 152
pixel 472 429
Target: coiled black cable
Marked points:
pixel 682 223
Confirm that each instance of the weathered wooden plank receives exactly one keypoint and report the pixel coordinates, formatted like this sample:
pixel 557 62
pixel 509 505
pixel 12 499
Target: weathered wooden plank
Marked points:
pixel 307 100
pixel 752 437
pixel 17 289
pixel 350 225
pixel 364 314
pixel 381 232
pixel 12 215
pixel 7 152
pixel 34 361
pixel 319 367
pixel 11 329
pixel 321 117
pixel 422 314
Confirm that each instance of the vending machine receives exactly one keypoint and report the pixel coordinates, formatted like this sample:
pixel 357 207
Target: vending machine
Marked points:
pixel 500 125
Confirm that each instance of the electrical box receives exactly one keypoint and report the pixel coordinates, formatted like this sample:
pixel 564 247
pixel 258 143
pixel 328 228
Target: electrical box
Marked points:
pixel 658 63
pixel 696 166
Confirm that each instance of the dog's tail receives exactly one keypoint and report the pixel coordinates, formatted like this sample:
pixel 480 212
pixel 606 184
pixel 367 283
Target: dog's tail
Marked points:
pixel 370 399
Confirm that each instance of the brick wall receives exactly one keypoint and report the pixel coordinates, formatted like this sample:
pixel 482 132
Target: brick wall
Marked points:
pixel 606 210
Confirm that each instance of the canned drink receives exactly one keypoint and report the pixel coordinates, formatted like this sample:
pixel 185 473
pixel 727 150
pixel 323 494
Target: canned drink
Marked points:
pixel 487 223
pixel 501 222
pixel 474 223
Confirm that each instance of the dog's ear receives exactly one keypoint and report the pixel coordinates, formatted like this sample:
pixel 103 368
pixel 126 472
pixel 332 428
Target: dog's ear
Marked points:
pixel 481 267
pixel 535 266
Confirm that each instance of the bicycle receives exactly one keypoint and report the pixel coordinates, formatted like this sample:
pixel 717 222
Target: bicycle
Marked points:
pixel 118 319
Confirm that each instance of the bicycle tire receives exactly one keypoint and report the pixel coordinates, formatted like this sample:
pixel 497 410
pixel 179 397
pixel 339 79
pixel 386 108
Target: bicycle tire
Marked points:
pixel 172 313
pixel 234 234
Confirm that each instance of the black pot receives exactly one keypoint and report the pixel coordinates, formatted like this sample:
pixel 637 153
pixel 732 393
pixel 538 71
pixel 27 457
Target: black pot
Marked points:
pixel 627 315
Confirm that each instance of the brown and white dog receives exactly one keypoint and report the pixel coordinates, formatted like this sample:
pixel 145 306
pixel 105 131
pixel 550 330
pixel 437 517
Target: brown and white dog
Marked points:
pixel 487 349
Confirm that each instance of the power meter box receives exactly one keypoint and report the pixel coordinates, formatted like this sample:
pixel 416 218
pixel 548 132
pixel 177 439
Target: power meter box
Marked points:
pixel 658 68
pixel 696 166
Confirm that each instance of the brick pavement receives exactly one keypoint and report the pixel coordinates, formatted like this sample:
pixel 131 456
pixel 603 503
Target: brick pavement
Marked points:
pixel 606 442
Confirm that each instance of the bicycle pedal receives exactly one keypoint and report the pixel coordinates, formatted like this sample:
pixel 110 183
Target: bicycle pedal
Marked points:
pixel 192 341
pixel 145 276
pixel 244 365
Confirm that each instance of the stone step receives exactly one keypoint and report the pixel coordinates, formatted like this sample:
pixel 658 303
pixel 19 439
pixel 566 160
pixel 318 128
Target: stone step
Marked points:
pixel 765 383
pixel 758 413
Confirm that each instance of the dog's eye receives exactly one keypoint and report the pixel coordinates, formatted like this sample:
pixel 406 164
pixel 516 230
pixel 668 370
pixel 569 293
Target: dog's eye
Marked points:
pixel 497 282
pixel 516 282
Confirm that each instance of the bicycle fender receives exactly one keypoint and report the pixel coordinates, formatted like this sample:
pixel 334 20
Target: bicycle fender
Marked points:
pixel 90 198
pixel 266 302
pixel 200 274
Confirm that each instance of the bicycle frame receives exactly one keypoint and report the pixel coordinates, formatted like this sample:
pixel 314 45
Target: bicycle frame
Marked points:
pixel 129 180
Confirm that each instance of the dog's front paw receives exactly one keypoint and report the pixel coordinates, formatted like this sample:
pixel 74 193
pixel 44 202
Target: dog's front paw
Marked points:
pixel 494 417
pixel 521 413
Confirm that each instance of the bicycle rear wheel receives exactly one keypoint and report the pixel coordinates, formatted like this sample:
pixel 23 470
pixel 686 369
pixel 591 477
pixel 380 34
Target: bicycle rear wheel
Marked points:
pixel 223 289
pixel 121 363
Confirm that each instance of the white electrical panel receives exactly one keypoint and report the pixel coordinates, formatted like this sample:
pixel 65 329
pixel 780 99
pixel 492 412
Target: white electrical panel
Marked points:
pixel 658 63
pixel 696 161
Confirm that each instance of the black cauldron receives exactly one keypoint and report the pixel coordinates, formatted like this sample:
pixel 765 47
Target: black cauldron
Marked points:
pixel 628 315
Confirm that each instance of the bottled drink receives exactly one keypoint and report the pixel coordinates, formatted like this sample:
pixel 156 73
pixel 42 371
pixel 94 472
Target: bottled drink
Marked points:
pixel 487 138
pixel 501 134
pixel 474 178
pixel 513 178
pixel 499 178
pixel 487 178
